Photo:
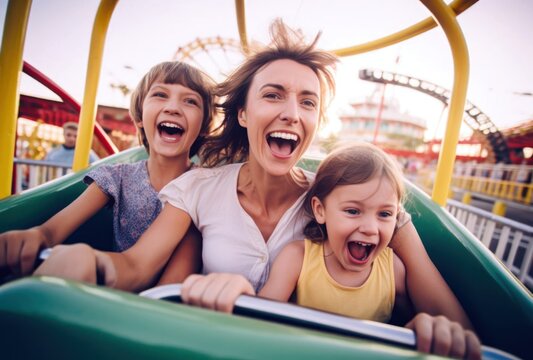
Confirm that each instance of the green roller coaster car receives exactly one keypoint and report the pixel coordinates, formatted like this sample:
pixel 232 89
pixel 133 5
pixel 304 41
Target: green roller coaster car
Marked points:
pixel 53 318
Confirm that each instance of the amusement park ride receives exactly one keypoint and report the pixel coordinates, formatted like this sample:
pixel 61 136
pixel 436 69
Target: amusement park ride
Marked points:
pixel 67 319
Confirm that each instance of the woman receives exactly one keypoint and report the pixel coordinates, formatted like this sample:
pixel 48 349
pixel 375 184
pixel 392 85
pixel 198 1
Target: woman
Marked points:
pixel 247 212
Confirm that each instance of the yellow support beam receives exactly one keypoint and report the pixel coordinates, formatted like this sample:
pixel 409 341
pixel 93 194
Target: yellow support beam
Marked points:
pixel 88 108
pixel 241 23
pixel 499 208
pixel 15 26
pixel 458 6
pixel 467 198
pixel 446 19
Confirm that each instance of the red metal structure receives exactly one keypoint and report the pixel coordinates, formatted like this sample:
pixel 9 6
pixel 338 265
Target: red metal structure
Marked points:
pixel 68 111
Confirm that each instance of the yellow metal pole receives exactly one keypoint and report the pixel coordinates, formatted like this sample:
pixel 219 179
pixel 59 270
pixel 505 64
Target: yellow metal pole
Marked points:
pixel 446 19
pixel 499 208
pixel 458 6
pixel 467 198
pixel 15 26
pixel 88 108
pixel 241 23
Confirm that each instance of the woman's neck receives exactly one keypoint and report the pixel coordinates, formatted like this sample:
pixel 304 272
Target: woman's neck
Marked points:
pixel 162 170
pixel 266 198
pixel 272 190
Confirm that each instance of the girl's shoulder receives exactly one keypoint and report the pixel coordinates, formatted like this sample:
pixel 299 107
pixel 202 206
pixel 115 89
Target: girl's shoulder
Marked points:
pixel 114 176
pixel 121 168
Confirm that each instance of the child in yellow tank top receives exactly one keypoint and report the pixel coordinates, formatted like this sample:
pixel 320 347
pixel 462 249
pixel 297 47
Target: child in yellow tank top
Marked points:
pixel 345 265
pixel 317 289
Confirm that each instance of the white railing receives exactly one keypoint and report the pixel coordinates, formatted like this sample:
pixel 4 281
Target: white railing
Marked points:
pixel 509 240
pixel 30 173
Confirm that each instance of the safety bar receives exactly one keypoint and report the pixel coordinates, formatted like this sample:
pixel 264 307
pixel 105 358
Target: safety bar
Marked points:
pixel 291 314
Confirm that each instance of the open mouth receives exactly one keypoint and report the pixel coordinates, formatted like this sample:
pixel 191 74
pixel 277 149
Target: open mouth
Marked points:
pixel 171 131
pixel 360 251
pixel 282 143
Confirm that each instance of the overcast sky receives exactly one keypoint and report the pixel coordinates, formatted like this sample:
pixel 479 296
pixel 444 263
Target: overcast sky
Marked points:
pixel 143 33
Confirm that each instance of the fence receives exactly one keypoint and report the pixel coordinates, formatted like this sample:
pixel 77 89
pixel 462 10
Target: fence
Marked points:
pixel 509 240
pixel 505 182
pixel 30 173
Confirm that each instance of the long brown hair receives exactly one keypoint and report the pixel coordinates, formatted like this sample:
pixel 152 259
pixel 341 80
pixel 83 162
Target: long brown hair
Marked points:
pixel 229 142
pixel 356 163
pixel 174 72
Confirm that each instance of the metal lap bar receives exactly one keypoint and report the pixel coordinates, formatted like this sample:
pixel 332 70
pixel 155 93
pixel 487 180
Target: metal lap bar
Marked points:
pixel 309 318
pixel 296 315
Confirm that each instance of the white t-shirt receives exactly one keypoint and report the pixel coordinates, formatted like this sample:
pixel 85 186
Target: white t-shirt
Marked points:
pixel 232 242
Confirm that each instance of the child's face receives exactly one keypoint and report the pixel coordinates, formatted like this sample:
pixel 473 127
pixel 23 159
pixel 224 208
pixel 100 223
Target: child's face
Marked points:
pixel 172 119
pixel 281 114
pixel 360 221
pixel 70 137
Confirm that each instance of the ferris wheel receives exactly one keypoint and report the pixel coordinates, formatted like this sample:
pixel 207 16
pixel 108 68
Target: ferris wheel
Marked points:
pixel 217 56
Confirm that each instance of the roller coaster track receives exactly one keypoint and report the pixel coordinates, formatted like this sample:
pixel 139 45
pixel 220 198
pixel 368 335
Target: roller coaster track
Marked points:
pixel 476 119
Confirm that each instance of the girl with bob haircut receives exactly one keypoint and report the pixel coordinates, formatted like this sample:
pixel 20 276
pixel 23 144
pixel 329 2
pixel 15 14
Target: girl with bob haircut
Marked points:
pixel 344 265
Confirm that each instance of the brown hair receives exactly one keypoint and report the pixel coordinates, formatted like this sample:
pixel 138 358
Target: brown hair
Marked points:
pixel 353 164
pixel 229 143
pixel 70 125
pixel 174 72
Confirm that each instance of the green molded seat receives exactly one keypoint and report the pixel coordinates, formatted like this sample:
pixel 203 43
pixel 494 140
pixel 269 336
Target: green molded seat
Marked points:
pixel 63 317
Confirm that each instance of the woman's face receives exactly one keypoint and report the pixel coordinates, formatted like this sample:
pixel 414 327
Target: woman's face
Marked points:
pixel 281 114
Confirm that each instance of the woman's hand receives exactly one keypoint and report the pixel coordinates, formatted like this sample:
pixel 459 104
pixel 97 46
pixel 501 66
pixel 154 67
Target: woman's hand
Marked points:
pixel 440 336
pixel 19 249
pixel 215 291
pixel 73 262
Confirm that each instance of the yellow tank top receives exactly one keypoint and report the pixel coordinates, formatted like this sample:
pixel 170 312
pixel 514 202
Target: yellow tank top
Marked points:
pixel 373 300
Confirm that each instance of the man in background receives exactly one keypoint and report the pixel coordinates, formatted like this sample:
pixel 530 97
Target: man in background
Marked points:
pixel 64 154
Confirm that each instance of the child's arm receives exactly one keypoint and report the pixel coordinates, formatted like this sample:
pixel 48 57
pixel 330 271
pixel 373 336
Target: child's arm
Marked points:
pixel 403 308
pixel 186 259
pixel 285 272
pixel 427 289
pixel 434 334
pixel 19 248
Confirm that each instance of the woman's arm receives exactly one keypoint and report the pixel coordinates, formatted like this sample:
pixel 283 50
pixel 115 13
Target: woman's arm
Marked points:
pixel 131 270
pixel 19 248
pixel 434 334
pixel 219 291
pixel 285 272
pixel 186 259
pixel 427 290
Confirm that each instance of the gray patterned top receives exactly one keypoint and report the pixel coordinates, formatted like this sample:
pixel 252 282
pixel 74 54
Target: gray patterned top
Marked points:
pixel 134 200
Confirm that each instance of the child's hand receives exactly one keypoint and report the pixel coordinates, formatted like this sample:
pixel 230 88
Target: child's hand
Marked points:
pixel 215 291
pixel 19 249
pixel 440 336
